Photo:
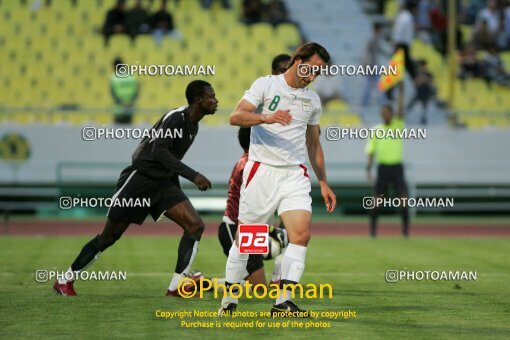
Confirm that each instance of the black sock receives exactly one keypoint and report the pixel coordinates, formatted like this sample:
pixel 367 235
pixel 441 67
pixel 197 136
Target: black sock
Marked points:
pixel 88 253
pixel 188 247
pixel 405 221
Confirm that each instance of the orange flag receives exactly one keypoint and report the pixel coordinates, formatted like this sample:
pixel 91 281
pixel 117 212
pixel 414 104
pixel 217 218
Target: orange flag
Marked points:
pixel 389 80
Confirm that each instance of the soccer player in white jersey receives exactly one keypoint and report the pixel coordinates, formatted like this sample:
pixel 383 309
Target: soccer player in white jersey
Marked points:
pixel 275 178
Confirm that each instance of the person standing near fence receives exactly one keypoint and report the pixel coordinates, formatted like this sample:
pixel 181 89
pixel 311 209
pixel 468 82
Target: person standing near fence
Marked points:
pixel 390 169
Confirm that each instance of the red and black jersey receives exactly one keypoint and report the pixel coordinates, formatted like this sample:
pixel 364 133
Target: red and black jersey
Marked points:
pixel 234 189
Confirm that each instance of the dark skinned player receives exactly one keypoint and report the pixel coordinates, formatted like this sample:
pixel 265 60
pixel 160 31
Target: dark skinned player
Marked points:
pixel 154 175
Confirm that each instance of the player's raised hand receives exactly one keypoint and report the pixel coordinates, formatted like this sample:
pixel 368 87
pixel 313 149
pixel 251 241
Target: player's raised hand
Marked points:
pixel 202 182
pixel 281 117
pixel 329 198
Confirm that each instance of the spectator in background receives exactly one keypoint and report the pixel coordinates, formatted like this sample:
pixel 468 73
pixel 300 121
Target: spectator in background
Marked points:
pixel 469 65
pixel 277 12
pixel 163 24
pixel 381 7
pixel 328 87
pixel 115 22
pixel 494 69
pixel 502 38
pixel 403 33
pixel 206 4
pixel 423 22
pixel 474 7
pixel 490 14
pixel 439 23
pixel 374 50
pixel 124 90
pixel 506 18
pixel 425 89
pixel 252 11
pixel 483 38
pixel 439 20
pixel 137 20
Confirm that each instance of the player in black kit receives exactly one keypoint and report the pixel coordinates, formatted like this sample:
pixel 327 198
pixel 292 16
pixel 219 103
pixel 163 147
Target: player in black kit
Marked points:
pixel 154 176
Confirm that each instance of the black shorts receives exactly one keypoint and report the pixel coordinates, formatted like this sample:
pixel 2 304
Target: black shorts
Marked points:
pixel 162 193
pixel 390 175
pixel 255 262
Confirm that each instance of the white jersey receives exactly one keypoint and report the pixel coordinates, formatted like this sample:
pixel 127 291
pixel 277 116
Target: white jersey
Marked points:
pixel 276 144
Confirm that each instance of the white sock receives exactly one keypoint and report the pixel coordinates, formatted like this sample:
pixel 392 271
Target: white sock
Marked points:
pixel 234 271
pixel 222 281
pixel 175 281
pixel 69 273
pixel 177 277
pixel 277 269
pixel 293 266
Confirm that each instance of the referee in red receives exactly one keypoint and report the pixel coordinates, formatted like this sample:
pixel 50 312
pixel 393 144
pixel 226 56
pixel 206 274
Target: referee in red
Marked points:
pixel 390 170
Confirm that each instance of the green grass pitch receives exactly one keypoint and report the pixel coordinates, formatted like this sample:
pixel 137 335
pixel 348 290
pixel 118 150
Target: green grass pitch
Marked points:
pixel 354 266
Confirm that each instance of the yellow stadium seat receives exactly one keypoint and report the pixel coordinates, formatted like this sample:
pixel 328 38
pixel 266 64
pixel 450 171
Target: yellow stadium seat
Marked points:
pixel 119 44
pixel 336 105
pixel 288 34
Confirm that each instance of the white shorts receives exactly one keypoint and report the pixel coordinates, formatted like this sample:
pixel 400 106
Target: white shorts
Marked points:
pixel 267 189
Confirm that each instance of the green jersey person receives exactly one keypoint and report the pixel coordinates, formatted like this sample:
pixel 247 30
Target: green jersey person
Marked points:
pixel 390 169
pixel 124 89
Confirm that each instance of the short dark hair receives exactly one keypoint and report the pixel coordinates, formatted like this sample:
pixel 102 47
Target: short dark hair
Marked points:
pixel 195 89
pixel 244 137
pixel 117 61
pixel 280 58
pixel 377 26
pixel 410 5
pixel 388 106
pixel 307 50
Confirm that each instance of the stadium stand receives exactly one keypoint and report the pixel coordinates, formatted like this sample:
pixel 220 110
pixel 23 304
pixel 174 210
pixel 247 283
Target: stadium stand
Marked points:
pixel 59 67
pixel 476 104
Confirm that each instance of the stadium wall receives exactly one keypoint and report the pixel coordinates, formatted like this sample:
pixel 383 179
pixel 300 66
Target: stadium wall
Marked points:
pixel 35 154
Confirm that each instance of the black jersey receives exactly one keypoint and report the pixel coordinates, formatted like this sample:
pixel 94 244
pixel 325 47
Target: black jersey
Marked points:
pixel 159 155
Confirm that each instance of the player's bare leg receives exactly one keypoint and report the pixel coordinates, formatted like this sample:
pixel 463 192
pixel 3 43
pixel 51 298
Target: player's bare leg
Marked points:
pixel 258 277
pixel 89 253
pixel 293 262
pixel 185 215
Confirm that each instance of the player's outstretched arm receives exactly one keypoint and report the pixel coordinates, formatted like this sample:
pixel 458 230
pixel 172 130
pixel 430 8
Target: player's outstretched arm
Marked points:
pixel 243 116
pixel 316 156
